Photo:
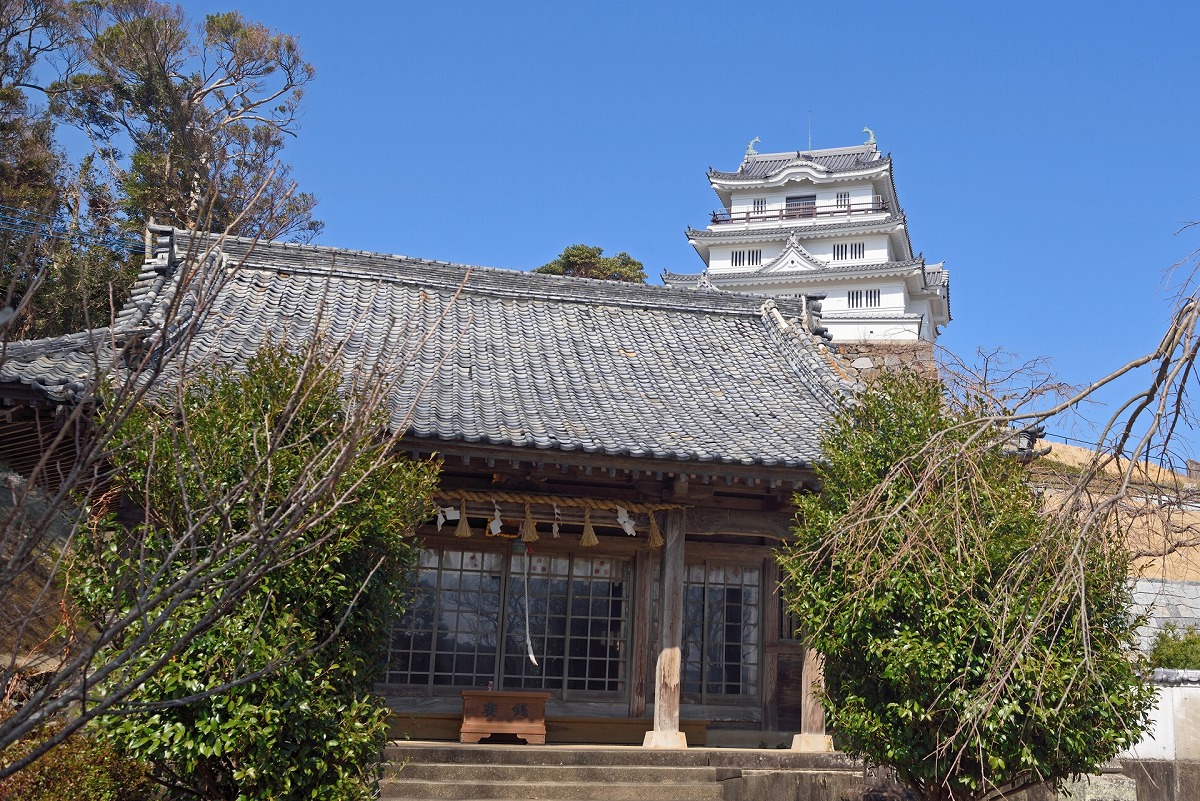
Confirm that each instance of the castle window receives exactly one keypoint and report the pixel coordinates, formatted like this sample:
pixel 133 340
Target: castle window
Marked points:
pixel 801 205
pixel 843 200
pixel 746 258
pixel 847 251
pixel 862 298
pixel 760 205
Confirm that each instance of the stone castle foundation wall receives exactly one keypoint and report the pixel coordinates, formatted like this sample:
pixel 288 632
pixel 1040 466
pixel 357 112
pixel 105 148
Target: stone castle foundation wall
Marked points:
pixel 864 360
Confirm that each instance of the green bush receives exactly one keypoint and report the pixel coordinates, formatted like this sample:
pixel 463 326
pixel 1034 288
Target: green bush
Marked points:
pixel 956 652
pixel 1176 649
pixel 272 698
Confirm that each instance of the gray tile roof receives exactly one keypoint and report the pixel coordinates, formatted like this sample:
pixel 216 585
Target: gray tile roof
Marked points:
pixel 1175 678
pixel 824 270
pixel 833 160
pixel 503 357
pixel 802 231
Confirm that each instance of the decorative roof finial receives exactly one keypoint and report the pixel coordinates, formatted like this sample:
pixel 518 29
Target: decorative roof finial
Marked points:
pixel 870 141
pixel 750 151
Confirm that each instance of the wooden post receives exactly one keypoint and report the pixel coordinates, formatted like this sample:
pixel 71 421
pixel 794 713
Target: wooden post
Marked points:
pixel 666 732
pixel 812 735
pixel 640 652
pixel 770 664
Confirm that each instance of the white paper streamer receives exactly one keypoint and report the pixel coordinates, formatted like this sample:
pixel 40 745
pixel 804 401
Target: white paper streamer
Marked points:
pixel 528 639
pixel 625 521
pixel 446 513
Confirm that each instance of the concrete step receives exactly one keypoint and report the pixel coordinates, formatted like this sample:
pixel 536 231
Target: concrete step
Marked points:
pixel 448 788
pixel 630 756
pixel 538 774
pixel 440 771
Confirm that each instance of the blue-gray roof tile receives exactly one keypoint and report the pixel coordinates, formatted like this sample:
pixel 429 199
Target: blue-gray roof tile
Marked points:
pixel 496 356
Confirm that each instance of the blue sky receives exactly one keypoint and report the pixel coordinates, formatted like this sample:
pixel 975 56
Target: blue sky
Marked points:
pixel 1044 151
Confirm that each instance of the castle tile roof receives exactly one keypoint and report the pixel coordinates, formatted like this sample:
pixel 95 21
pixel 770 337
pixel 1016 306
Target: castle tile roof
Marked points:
pixel 826 270
pixel 832 160
pixel 802 231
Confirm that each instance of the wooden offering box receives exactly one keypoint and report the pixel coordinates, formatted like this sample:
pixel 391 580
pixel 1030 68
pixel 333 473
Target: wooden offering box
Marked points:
pixel 487 712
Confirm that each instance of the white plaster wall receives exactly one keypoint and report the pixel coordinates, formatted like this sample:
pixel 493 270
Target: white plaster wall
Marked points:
pixel 923 308
pixel 743 200
pixel 885 330
pixel 876 248
pixel 1175 725
pixel 720 259
pixel 891 297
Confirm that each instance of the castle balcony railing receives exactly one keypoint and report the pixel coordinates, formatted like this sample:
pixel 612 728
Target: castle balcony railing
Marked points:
pixel 801 211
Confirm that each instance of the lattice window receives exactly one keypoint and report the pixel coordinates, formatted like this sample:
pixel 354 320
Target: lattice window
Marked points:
pixel 721 630
pixel 843 200
pixel 596 618
pixel 760 205
pixel 455 625
pixel 449 631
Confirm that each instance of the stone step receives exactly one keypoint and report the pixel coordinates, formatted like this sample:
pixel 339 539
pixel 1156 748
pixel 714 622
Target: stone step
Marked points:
pixel 448 788
pixel 631 756
pixel 537 774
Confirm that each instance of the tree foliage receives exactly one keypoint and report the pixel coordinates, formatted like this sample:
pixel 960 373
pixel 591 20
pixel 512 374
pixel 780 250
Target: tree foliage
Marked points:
pixel 926 574
pixel 585 261
pixel 271 698
pixel 1176 648
pixel 188 125
pixel 205 115
pixel 279 490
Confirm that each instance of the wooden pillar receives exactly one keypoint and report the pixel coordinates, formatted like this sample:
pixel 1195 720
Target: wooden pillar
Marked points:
pixel 666 732
pixel 640 652
pixel 770 657
pixel 812 735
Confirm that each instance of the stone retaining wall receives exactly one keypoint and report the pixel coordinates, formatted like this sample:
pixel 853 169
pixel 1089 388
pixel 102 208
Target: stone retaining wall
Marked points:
pixel 867 359
pixel 1166 602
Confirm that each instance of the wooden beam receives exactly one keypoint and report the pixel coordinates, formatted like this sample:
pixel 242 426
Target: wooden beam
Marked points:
pixel 785 475
pixel 773 525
